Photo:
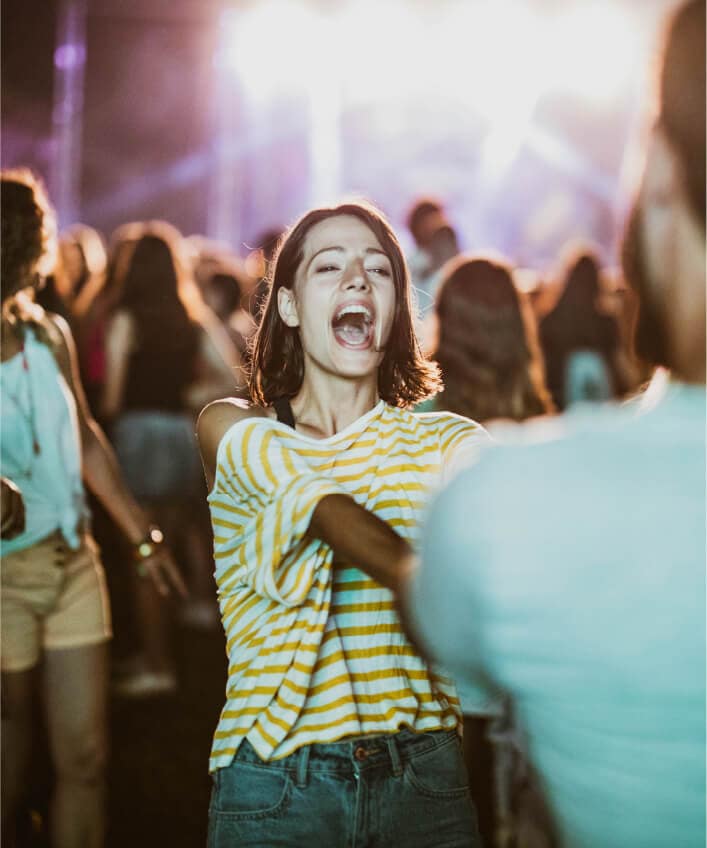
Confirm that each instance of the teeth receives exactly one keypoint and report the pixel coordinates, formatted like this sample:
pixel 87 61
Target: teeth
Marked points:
pixel 354 309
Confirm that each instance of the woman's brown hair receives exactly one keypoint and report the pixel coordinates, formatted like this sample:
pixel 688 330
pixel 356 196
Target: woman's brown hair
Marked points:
pixel 28 229
pixel 404 376
pixel 487 350
pixel 681 91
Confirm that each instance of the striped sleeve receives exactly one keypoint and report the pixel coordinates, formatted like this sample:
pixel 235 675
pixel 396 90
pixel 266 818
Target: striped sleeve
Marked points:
pixel 274 493
pixel 461 441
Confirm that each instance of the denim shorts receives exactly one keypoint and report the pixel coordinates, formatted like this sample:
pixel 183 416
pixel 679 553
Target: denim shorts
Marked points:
pixel 405 789
pixel 158 455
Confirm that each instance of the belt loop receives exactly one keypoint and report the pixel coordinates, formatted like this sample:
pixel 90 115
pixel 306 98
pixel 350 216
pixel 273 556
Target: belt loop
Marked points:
pixel 302 763
pixel 394 753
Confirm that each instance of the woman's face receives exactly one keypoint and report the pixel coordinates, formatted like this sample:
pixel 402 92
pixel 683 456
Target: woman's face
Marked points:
pixel 343 301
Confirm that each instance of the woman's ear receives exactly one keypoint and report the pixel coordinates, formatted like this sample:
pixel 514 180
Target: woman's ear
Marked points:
pixel 287 307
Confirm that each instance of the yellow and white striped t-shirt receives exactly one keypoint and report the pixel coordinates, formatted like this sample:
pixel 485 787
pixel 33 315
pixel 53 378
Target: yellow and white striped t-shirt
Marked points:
pixel 315 652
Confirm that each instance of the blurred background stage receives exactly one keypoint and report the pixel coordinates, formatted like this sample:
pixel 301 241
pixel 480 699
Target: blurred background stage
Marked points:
pixel 231 117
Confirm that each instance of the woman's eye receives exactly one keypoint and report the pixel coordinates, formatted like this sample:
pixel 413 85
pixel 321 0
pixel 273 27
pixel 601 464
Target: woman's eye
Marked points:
pixel 323 269
pixel 384 272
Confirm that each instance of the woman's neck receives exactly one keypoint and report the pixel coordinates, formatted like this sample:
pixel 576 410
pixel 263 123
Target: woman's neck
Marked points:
pixel 323 407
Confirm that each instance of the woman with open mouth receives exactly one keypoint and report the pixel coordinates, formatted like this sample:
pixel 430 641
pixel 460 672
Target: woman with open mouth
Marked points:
pixel 334 727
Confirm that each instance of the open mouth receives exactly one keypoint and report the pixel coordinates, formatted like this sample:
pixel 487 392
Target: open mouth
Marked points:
pixel 353 326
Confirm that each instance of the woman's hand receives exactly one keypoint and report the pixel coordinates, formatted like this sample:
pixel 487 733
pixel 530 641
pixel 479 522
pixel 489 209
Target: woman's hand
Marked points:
pixel 13 510
pixel 162 570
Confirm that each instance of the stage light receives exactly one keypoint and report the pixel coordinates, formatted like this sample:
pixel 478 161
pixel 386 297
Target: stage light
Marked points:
pixel 595 51
pixel 273 47
pixel 381 54
pixel 491 55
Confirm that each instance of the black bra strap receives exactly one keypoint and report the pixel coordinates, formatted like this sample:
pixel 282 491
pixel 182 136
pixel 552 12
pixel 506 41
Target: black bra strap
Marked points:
pixel 284 412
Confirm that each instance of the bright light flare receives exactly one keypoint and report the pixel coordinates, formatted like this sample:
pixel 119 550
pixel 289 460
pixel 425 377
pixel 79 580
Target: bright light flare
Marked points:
pixel 274 46
pixel 495 56
pixel 594 51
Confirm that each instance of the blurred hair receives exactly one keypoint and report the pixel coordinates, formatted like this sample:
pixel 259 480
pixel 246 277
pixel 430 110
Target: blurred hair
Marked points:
pixel 154 285
pixel 681 116
pixel 28 230
pixel 404 377
pixel 268 241
pixel 576 321
pixel 681 93
pixel 487 350
pixel 422 210
pixel 227 284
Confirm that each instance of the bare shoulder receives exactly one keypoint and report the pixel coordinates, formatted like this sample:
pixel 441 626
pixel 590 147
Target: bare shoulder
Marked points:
pixel 54 331
pixel 219 416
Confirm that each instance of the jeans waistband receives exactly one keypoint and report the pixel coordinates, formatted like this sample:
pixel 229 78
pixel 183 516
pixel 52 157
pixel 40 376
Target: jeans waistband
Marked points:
pixel 353 754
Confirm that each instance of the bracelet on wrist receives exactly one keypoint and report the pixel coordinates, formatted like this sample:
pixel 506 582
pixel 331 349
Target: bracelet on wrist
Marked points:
pixel 148 545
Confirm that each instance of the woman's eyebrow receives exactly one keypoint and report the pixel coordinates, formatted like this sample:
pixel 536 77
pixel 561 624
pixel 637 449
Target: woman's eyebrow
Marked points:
pixel 341 249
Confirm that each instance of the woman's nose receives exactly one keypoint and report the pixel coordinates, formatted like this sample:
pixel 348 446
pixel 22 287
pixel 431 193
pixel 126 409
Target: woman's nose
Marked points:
pixel 355 277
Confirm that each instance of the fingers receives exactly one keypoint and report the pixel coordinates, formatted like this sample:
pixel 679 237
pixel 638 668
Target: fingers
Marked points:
pixel 158 580
pixel 175 577
pixel 162 570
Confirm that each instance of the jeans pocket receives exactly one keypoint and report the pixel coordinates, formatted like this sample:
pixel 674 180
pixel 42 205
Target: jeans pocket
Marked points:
pixel 243 791
pixel 439 773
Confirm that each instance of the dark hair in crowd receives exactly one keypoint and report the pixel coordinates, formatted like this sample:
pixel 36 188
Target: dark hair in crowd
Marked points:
pixel 681 116
pixel 425 216
pixel 487 350
pixel 155 287
pixel 28 227
pixel 404 376
pixel 576 320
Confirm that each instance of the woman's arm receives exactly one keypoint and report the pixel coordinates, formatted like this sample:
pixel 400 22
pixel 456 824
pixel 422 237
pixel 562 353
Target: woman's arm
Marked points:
pixel 357 535
pixel 118 344
pixel 354 533
pixel 100 467
pixel 219 368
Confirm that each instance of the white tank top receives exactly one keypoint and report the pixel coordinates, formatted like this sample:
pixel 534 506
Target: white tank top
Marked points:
pixel 38 407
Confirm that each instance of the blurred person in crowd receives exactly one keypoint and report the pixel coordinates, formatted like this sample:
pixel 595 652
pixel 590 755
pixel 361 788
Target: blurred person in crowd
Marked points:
pixel 84 260
pixel 581 339
pixel 80 263
pixel 55 613
pixel 223 292
pixel 570 570
pixel 487 347
pixel 92 310
pixel 205 255
pixel 492 371
pixel 166 355
pixel 435 243
pixel 334 727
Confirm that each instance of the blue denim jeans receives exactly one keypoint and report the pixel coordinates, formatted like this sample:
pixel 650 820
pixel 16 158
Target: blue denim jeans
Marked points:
pixel 406 790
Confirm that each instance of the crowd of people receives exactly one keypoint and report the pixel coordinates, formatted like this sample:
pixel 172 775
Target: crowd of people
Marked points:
pixel 454 530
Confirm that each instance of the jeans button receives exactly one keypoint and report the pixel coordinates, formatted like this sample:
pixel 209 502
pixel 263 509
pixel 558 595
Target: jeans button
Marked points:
pixel 360 753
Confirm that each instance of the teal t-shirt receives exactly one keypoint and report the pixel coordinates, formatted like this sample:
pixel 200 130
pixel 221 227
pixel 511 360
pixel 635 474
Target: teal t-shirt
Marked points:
pixel 571 572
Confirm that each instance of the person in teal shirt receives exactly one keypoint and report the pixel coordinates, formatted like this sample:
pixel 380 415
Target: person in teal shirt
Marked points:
pixel 569 569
